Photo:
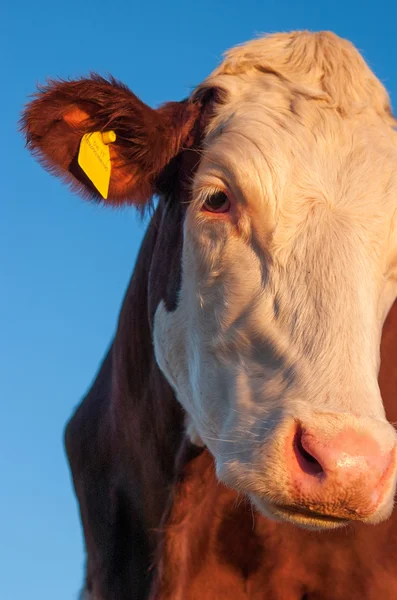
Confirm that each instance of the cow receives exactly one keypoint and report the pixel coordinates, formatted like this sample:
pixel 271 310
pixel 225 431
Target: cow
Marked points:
pixel 238 440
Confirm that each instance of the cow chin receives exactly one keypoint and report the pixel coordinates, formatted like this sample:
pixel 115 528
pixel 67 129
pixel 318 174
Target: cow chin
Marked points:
pixel 300 517
pixel 315 520
pixel 319 477
pixel 281 507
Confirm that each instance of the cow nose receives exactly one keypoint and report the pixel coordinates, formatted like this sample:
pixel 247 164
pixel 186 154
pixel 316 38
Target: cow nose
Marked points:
pixel 342 474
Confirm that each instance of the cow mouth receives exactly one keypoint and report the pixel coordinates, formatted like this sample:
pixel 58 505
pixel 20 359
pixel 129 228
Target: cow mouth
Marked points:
pixel 303 517
pixel 303 513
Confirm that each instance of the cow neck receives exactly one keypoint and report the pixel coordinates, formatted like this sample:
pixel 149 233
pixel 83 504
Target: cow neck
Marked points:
pixel 148 422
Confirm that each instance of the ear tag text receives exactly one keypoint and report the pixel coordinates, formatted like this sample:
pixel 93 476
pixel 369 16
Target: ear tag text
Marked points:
pixel 94 159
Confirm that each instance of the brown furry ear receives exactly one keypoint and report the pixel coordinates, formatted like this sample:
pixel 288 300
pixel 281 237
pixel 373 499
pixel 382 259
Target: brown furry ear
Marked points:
pixel 147 139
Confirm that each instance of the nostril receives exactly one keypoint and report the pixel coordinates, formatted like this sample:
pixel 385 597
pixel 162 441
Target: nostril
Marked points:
pixel 308 463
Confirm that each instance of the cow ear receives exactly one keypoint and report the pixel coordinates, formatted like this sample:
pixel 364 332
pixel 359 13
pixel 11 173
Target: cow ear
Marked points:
pixel 56 123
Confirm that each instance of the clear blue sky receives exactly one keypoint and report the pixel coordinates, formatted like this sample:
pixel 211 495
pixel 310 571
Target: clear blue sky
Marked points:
pixel 65 264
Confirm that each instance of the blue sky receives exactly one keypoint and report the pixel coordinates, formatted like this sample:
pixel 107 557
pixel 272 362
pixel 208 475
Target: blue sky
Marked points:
pixel 65 263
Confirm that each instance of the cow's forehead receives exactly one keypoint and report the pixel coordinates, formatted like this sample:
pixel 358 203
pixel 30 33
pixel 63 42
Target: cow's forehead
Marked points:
pixel 318 65
pixel 303 120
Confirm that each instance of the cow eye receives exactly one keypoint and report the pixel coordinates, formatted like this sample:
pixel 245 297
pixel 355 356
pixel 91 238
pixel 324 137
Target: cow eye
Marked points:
pixel 217 203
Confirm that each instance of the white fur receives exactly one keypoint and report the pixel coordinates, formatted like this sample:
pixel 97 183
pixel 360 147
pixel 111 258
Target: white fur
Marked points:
pixel 305 144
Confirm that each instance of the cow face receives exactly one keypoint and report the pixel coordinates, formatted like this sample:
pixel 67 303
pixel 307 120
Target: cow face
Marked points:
pixel 288 273
pixel 288 263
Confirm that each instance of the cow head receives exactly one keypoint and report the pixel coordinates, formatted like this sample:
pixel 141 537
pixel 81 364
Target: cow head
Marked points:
pixel 288 264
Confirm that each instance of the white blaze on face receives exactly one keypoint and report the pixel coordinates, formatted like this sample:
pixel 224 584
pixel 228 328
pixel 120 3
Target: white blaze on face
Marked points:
pixel 283 297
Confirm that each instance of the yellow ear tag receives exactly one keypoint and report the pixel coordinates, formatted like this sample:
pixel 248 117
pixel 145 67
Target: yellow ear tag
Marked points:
pixel 94 159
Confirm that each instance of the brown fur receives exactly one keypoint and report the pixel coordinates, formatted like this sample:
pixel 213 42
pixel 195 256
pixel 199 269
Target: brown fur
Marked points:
pixel 147 139
pixel 123 473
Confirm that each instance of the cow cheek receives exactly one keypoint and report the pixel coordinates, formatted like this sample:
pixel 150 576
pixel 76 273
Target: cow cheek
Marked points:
pixel 169 345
